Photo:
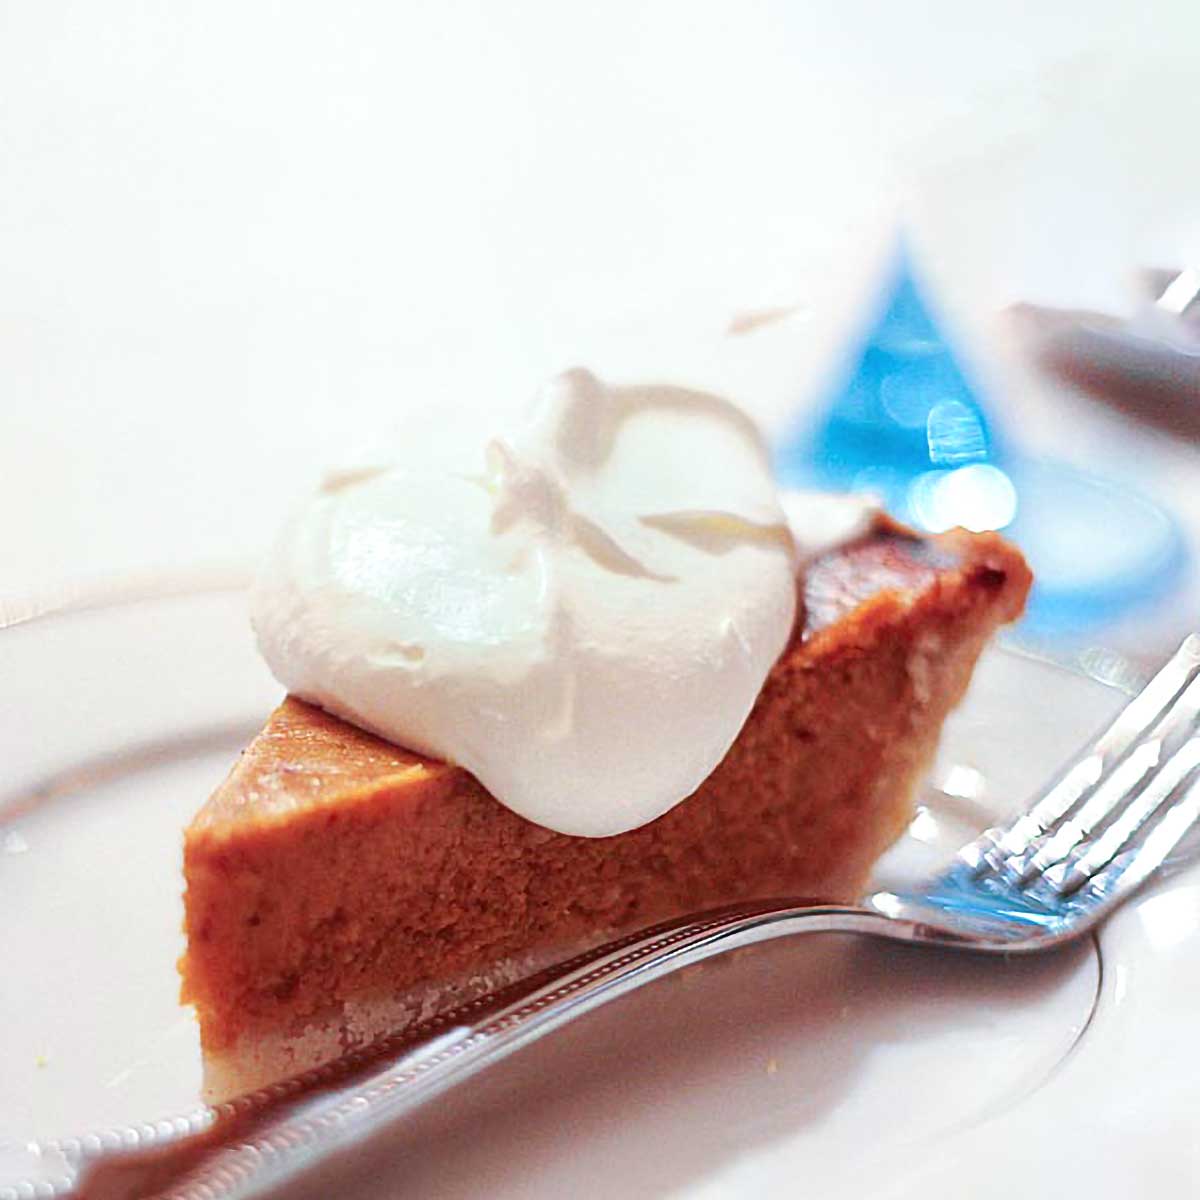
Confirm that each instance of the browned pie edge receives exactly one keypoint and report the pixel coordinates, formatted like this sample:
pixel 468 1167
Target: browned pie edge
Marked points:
pixel 339 886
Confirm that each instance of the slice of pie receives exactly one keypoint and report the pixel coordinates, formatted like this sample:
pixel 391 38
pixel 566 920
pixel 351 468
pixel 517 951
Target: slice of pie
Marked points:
pixel 340 887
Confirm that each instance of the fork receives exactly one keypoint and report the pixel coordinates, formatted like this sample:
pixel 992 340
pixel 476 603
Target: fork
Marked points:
pixel 1097 832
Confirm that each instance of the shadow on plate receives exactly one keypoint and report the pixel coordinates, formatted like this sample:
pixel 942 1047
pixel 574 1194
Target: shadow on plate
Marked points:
pixel 833 1050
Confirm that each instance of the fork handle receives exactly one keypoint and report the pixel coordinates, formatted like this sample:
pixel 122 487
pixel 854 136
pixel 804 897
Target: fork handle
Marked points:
pixel 289 1139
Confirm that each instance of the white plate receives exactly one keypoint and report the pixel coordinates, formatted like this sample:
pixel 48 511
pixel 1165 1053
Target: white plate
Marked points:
pixel 824 1066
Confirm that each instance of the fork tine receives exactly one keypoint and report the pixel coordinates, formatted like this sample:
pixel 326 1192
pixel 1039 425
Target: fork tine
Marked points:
pixel 996 848
pixel 1137 831
pixel 1119 793
pixel 1131 869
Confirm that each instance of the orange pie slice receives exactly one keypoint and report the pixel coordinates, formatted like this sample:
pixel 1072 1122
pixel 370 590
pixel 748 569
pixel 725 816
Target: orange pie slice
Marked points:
pixel 340 887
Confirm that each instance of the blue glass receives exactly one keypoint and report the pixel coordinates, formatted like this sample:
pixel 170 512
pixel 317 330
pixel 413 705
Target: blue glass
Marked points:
pixel 906 421
pixel 903 406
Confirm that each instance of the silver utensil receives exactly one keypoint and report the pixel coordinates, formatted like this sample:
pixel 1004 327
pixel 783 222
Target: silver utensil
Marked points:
pixel 1146 367
pixel 1176 293
pixel 1098 831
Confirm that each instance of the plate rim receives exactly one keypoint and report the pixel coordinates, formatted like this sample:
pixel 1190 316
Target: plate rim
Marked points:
pixel 166 586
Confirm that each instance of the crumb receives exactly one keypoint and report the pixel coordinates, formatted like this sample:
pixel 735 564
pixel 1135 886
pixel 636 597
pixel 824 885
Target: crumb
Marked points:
pixel 748 322
pixel 14 843
pixel 772 1066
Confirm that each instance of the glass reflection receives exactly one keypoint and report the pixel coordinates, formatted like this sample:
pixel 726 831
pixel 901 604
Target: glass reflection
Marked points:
pixel 907 421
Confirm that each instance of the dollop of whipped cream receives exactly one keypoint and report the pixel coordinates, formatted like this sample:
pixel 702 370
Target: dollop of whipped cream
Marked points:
pixel 581 614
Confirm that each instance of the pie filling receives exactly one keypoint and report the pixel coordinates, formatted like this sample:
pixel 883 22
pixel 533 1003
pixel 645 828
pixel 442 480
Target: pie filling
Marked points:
pixel 340 886
pixel 551 690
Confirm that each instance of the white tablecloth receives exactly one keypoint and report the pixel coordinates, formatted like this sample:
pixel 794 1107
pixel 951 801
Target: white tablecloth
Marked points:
pixel 237 240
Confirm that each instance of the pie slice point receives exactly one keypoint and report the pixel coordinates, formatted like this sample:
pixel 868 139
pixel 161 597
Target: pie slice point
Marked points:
pixel 339 887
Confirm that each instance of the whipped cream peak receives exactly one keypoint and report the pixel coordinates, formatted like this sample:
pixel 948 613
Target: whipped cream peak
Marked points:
pixel 524 491
pixel 580 611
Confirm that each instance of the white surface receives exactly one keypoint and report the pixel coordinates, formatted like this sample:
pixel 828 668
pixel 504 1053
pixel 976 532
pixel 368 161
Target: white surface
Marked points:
pixel 237 238
pixel 862 1069
pixel 234 237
